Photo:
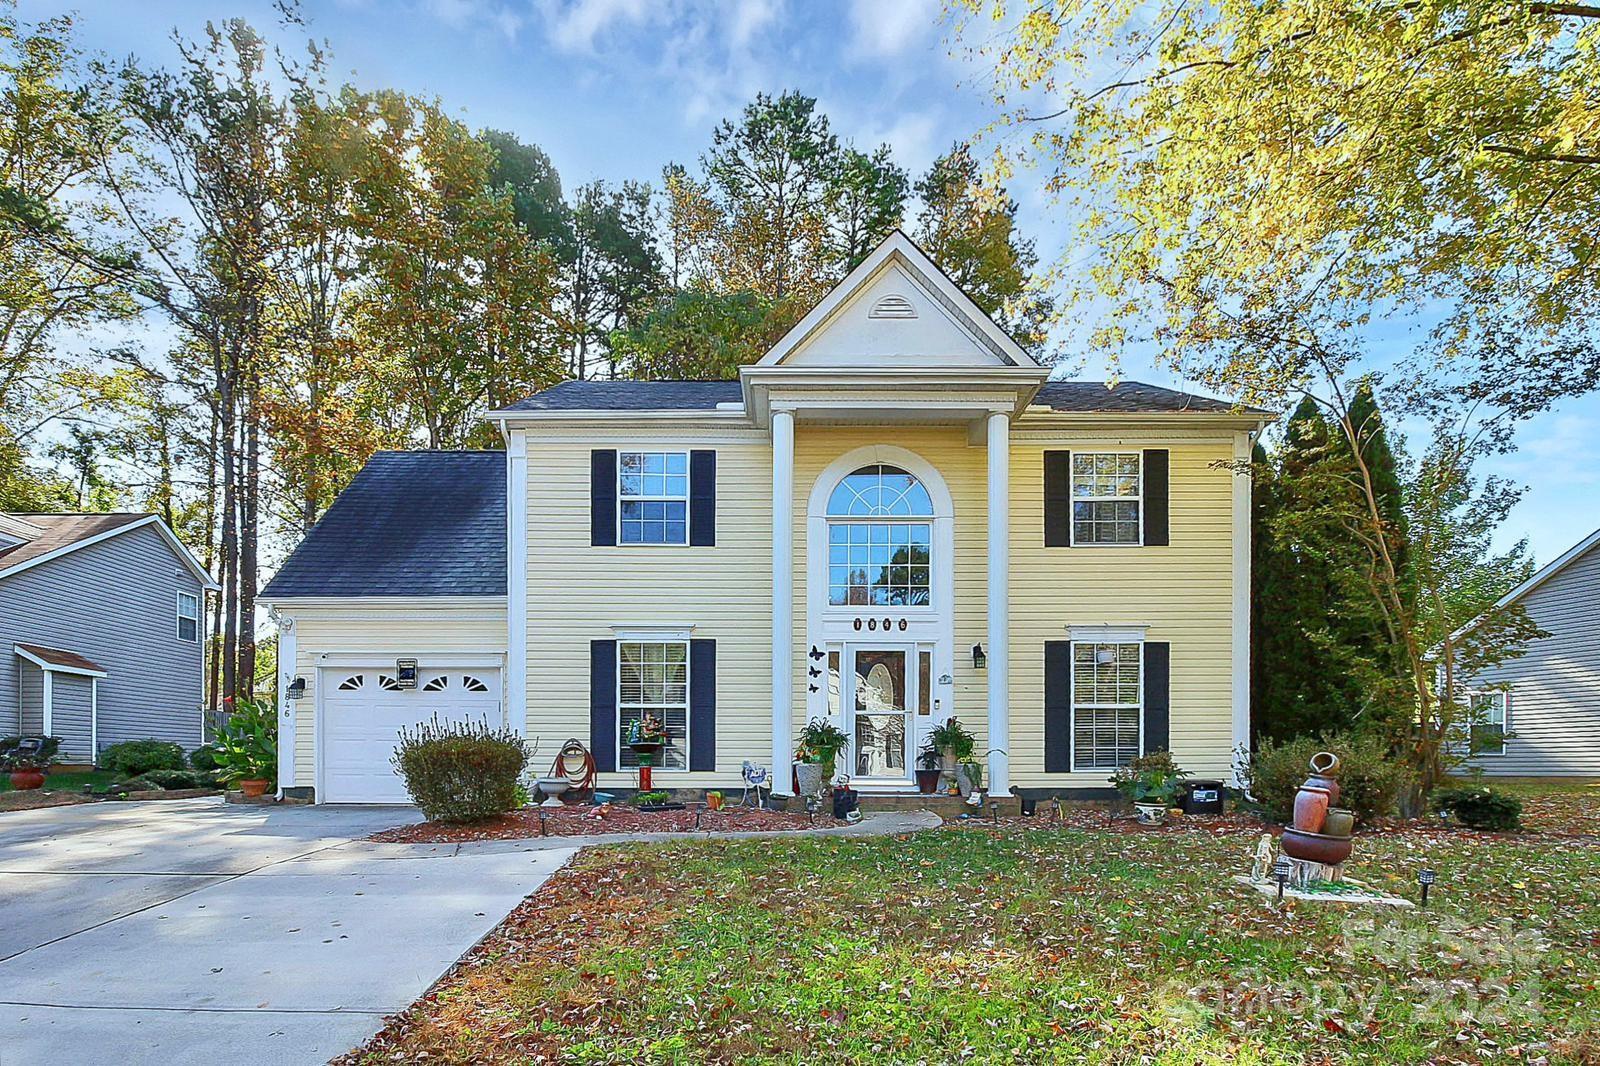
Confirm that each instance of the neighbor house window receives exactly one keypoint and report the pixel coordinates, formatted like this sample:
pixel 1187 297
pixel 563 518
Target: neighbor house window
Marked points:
pixel 1107 704
pixel 880 540
pixel 653 677
pixel 1105 497
pixel 188 617
pixel 653 497
pixel 1486 718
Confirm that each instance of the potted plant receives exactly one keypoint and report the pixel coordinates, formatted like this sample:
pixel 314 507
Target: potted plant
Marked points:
pixel 969 779
pixel 816 759
pixel 27 758
pixel 928 771
pixel 714 801
pixel 953 743
pixel 1152 782
pixel 247 747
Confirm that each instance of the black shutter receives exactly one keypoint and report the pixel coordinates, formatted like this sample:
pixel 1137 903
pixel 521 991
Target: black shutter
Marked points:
pixel 1057 706
pixel 603 703
pixel 1155 495
pixel 1057 499
pixel 1157 696
pixel 703 705
pixel 603 496
pixel 703 498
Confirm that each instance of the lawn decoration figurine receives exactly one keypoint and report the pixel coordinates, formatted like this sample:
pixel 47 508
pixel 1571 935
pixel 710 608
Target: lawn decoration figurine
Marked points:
pixel 756 778
pixel 1263 863
pixel 1317 842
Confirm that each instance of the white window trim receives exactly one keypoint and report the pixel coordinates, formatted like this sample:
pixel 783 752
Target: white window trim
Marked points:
pixel 686 499
pixel 929 520
pixel 177 623
pixel 688 699
pixel 1073 499
pixel 1505 722
pixel 1072 697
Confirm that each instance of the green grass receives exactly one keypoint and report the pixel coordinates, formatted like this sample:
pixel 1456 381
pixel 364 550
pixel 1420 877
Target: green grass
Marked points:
pixel 72 782
pixel 1030 943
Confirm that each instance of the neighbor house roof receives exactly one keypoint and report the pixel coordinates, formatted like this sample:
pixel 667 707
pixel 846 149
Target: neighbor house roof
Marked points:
pixel 1125 397
pixel 1539 577
pixel 423 523
pixel 58 658
pixel 63 532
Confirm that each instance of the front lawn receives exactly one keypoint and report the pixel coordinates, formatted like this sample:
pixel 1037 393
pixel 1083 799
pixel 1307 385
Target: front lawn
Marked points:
pixel 1032 942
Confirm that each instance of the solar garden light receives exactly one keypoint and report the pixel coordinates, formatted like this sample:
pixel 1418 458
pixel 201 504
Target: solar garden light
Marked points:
pixel 1280 872
pixel 1426 878
pixel 994 812
pixel 543 816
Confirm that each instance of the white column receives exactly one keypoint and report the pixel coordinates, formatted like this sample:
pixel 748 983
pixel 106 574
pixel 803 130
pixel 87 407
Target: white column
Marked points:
pixel 782 598
pixel 286 707
pixel 1241 603
pixel 516 683
pixel 999 602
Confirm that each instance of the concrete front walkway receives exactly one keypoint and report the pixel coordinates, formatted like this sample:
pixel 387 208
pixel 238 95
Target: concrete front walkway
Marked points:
pixel 195 932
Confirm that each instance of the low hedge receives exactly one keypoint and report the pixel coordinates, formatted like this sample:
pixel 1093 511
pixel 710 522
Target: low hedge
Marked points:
pixel 136 757
pixel 460 772
pixel 1371 780
pixel 176 779
pixel 204 759
pixel 1480 807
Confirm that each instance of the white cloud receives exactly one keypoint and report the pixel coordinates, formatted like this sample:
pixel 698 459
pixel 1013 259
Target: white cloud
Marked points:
pixel 885 29
pixel 573 27
pixel 749 18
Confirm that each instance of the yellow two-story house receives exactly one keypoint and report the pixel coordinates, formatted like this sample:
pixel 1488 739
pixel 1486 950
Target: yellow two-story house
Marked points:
pixel 895 517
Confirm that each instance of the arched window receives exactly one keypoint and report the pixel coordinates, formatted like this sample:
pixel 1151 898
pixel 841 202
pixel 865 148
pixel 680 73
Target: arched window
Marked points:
pixel 880 539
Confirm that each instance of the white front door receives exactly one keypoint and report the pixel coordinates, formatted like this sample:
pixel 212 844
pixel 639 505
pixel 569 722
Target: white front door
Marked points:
pixel 363 711
pixel 882 692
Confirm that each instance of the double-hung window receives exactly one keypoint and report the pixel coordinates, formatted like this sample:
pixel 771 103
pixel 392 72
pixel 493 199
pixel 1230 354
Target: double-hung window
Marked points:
pixel 653 678
pixel 1107 704
pixel 653 497
pixel 1106 498
pixel 188 617
pixel 1486 720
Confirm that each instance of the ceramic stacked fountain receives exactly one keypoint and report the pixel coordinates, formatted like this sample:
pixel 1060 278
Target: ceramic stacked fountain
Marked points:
pixel 1318 841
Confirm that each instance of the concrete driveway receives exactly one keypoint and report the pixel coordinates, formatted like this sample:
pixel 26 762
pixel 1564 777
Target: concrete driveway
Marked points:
pixel 196 932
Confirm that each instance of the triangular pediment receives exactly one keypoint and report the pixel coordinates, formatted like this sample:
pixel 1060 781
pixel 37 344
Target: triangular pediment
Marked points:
pixel 897 309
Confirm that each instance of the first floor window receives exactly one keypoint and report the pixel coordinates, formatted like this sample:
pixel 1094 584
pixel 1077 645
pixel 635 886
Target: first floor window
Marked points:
pixel 1486 718
pixel 653 678
pixel 1106 497
pixel 1107 704
pixel 188 617
pixel 653 497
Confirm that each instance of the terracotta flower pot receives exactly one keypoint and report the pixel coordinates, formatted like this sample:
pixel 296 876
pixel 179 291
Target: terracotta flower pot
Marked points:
pixel 1310 808
pixel 254 788
pixel 714 803
pixel 23 780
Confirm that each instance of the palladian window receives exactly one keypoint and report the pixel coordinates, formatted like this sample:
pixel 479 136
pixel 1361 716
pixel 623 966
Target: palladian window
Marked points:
pixel 880 539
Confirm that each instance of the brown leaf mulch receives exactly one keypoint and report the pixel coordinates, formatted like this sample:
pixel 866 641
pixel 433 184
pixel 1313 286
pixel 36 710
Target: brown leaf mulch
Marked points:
pixel 584 821
pixel 34 799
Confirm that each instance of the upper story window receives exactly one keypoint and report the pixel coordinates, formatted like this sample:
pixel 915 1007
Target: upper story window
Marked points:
pixel 1106 497
pixel 880 539
pixel 653 497
pixel 188 617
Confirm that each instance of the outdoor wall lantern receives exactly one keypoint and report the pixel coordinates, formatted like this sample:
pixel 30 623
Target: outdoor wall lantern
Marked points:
pixel 979 659
pixel 296 689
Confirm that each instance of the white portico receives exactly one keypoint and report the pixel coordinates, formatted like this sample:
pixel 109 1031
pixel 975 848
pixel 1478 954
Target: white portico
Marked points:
pixel 872 634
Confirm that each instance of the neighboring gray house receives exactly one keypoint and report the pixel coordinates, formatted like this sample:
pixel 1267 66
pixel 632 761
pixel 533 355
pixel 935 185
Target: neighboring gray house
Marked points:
pixel 102 631
pixel 1539 714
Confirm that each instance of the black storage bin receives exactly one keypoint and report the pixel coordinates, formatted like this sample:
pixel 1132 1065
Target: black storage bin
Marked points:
pixel 1202 797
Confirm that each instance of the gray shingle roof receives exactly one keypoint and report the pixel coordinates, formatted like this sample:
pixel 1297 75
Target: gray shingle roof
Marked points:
pixel 62 530
pixel 632 396
pixel 1127 397
pixel 425 523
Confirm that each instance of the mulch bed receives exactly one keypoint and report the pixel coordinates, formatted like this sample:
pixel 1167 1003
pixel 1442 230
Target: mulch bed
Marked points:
pixel 583 821
pixel 37 798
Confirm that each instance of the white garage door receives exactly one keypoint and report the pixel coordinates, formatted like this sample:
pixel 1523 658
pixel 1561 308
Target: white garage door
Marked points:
pixel 364 709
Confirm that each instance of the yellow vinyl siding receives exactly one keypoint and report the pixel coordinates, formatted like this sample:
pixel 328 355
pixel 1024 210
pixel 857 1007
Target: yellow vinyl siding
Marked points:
pixel 414 628
pixel 1183 592
pixel 964 469
pixel 577 593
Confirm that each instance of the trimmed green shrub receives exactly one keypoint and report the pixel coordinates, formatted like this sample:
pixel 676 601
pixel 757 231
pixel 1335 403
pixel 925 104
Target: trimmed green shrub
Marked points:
pixel 1480 807
pixel 460 772
pixel 135 757
pixel 173 779
pixel 204 759
pixel 1371 780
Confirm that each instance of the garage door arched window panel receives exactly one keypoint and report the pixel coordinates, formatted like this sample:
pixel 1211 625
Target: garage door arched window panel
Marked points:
pixel 473 684
pixel 353 682
pixel 880 539
pixel 653 678
pixel 387 683
pixel 437 684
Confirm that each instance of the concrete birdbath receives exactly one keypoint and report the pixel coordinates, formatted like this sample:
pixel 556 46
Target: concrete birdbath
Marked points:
pixel 552 787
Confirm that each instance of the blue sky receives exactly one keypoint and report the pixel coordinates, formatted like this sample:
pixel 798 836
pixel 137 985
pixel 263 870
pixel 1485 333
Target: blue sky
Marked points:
pixel 617 88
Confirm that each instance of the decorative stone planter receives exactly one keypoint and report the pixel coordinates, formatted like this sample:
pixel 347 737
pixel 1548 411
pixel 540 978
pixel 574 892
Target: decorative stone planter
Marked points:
pixel 810 777
pixel 552 788
pixel 1150 813
pixel 254 787
pixel 25 780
